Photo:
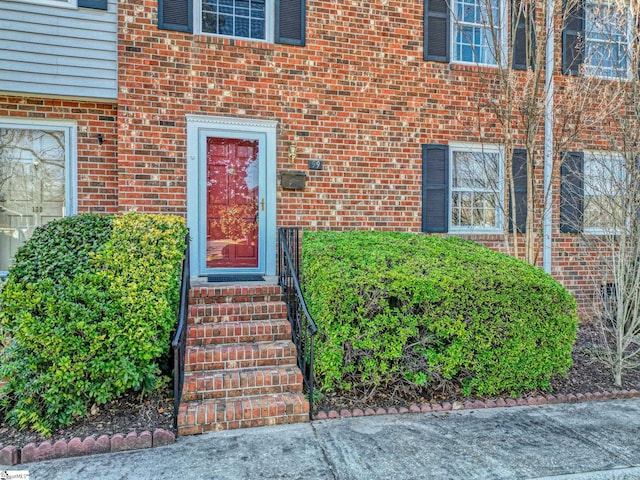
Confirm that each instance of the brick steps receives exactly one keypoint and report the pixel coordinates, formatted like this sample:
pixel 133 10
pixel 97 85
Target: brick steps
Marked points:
pixel 240 363
pixel 238 332
pixel 255 411
pixel 236 312
pixel 240 355
pixel 234 294
pixel 242 382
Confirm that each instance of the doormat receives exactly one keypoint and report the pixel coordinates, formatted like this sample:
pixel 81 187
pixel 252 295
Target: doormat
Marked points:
pixel 234 278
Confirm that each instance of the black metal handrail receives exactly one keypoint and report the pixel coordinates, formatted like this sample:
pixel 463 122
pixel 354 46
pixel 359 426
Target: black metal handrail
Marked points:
pixel 179 342
pixel 303 328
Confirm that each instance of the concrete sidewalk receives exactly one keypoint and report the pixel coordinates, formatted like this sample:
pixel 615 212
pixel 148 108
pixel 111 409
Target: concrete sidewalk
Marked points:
pixel 591 440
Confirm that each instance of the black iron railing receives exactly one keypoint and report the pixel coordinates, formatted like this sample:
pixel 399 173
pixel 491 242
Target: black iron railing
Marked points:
pixel 303 328
pixel 179 343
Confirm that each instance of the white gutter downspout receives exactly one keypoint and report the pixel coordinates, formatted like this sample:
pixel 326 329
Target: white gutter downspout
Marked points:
pixel 548 136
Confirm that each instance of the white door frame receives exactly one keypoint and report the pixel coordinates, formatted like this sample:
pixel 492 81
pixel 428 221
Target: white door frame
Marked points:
pixel 265 131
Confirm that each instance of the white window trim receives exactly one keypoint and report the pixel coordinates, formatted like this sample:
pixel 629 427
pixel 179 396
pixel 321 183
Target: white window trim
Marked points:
pixel 52 3
pixel 269 23
pixel 501 54
pixel 70 165
pixel 477 148
pixel 589 155
pixel 593 70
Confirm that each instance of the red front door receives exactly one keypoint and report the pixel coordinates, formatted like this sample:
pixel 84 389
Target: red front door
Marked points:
pixel 232 203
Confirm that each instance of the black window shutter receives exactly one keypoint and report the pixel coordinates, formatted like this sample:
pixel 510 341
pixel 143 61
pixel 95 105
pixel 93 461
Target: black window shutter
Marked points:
pixel 435 188
pixel 571 192
pixel 97 4
pixel 290 22
pixel 519 175
pixel 524 23
pixel 436 30
pixel 573 39
pixel 175 15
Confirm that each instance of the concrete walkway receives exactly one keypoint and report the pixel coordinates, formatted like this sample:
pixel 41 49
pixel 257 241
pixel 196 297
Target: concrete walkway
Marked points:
pixel 591 440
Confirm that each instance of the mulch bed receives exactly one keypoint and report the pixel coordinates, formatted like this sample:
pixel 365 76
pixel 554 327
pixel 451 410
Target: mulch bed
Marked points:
pixel 132 413
pixel 587 375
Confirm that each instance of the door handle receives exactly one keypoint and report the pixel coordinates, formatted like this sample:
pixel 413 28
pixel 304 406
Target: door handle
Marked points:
pixel 262 205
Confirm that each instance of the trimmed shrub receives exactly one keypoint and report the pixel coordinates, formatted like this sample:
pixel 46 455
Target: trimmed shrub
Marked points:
pixel 87 311
pixel 406 308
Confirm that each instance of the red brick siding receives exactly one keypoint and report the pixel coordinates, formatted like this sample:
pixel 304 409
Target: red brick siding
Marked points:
pixel 359 97
pixel 97 165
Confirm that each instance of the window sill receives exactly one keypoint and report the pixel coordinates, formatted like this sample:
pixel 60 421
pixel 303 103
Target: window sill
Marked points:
pixel 478 235
pixel 472 67
pixel 233 42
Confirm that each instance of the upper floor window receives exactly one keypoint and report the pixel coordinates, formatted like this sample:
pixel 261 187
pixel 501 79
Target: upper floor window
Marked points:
pixel 278 21
pixel 476 31
pixel 596 39
pixel 606 43
pixel 238 18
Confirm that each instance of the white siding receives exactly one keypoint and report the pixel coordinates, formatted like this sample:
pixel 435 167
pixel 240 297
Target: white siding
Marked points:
pixel 58 51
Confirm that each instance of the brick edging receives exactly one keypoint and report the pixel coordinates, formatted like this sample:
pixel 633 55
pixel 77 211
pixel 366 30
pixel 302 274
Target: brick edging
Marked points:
pixel 546 399
pixel 77 447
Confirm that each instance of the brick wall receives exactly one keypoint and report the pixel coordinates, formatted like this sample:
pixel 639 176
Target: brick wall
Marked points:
pixel 97 165
pixel 359 97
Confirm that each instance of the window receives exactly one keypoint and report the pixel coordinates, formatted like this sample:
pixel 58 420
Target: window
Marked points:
pixel 462 189
pixel 95 4
pixel 279 21
pixel 35 181
pixel 238 18
pixel 476 31
pixel 604 183
pixel 475 189
pixel 607 32
pixel 54 3
pixel 596 39
pixel 596 194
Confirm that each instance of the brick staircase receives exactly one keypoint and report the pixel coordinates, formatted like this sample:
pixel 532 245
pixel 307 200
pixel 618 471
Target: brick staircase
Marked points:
pixel 240 363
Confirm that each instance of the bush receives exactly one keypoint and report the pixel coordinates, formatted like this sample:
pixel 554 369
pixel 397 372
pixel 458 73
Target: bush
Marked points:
pixel 405 308
pixel 87 309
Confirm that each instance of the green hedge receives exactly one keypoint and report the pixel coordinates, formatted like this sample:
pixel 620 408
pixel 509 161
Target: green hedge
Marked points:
pixel 86 314
pixel 400 307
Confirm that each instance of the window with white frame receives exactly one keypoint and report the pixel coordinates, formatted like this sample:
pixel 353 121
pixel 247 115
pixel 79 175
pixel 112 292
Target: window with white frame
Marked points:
pixel 477 31
pixel 604 190
pixel 238 18
pixel 36 181
pixel 53 3
pixel 606 44
pixel 475 193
